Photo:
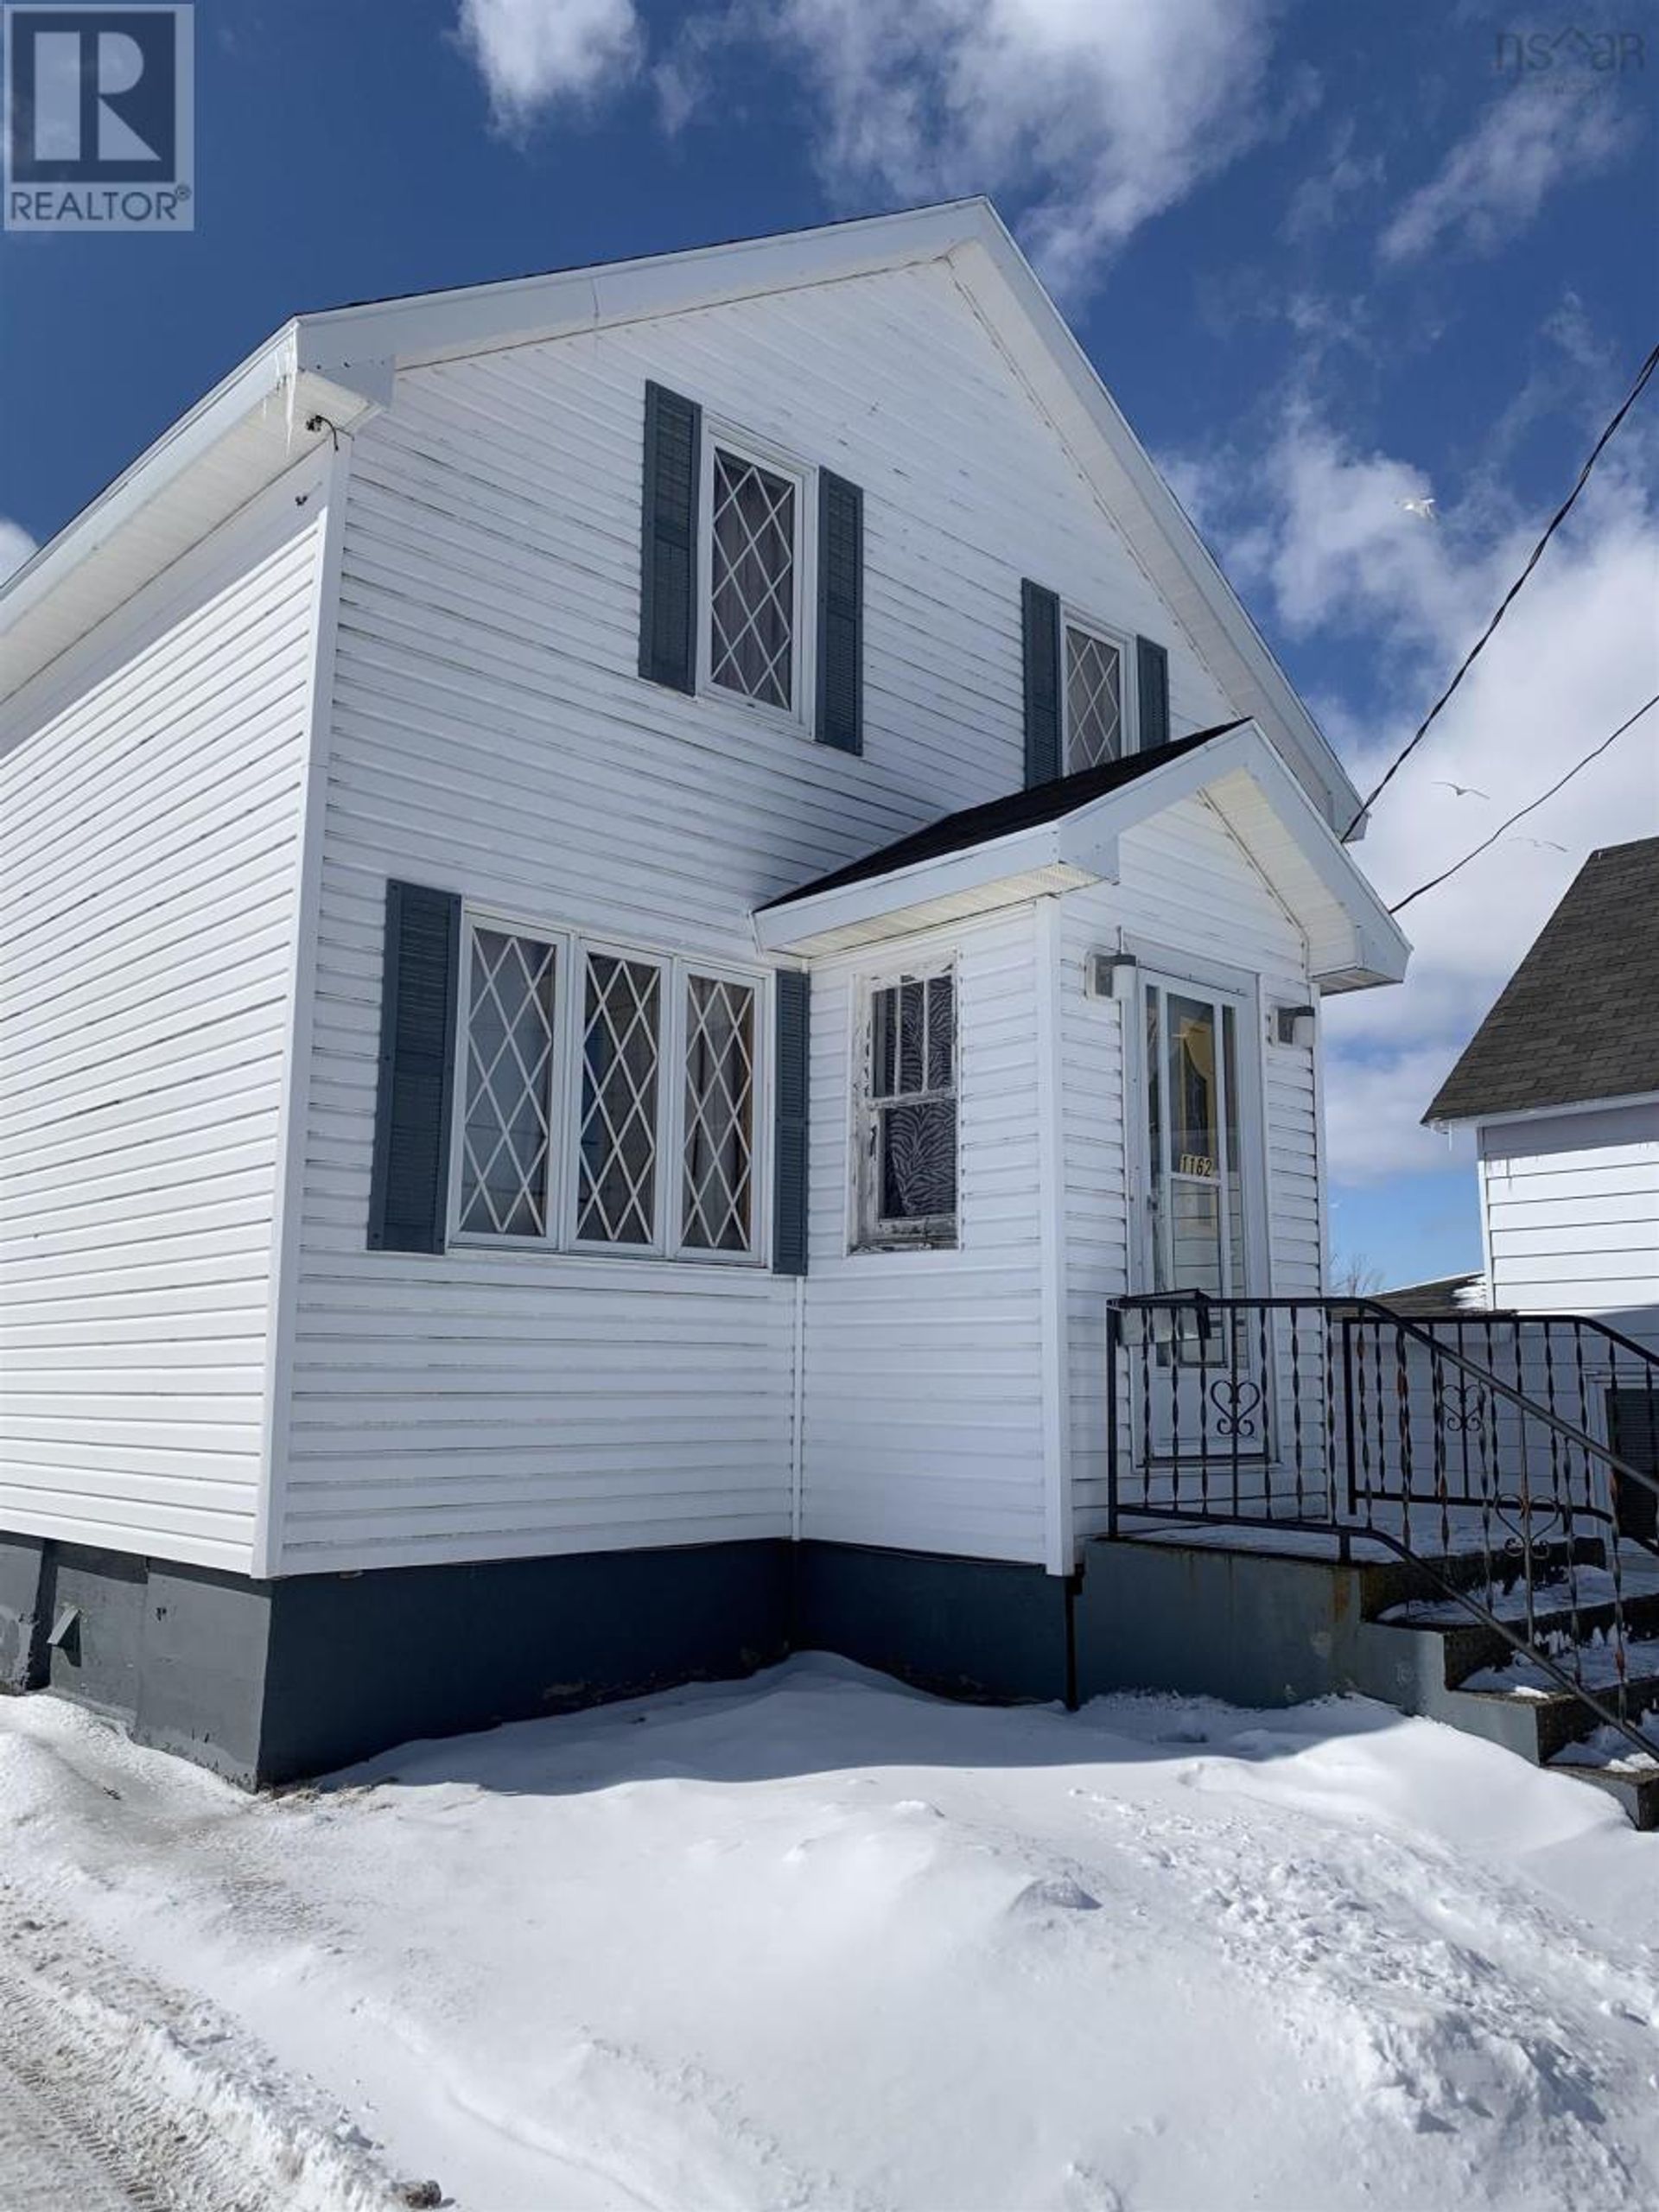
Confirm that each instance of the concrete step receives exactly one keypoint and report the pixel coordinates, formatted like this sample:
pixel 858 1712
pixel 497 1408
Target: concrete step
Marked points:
pixel 1636 1787
pixel 1471 1647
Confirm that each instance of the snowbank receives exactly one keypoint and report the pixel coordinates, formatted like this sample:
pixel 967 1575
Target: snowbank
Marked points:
pixel 815 1942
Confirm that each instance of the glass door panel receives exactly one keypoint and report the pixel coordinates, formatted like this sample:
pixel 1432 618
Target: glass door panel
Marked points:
pixel 1195 1229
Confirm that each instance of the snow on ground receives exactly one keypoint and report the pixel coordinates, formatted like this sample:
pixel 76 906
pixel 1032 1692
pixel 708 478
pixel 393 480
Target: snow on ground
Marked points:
pixel 813 1941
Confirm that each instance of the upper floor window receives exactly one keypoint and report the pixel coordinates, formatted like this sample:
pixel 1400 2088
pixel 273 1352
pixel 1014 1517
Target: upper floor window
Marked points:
pixel 754 577
pixel 907 1151
pixel 650 1143
pixel 1094 699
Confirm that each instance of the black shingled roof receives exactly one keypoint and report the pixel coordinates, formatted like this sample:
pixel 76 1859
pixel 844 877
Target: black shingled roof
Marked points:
pixel 1578 1020
pixel 1001 817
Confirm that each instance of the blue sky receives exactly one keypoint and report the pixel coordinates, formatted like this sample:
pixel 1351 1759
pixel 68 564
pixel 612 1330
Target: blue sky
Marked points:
pixel 1327 257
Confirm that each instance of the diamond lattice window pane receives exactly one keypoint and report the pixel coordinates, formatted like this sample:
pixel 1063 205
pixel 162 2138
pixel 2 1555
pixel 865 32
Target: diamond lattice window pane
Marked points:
pixel 751 641
pixel 1094 705
pixel 616 1199
pixel 505 1134
pixel 719 1114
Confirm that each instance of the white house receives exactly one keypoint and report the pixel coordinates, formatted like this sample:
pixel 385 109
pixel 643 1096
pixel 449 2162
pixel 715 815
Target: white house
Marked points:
pixel 629 900
pixel 1560 1085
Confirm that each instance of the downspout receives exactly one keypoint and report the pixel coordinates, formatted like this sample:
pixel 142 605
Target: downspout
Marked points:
pixel 797 1453
pixel 1059 1539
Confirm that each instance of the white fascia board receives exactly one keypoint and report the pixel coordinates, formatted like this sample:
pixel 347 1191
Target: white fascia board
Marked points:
pixel 1068 388
pixel 1545 1113
pixel 1381 948
pixel 255 383
pixel 1021 864
pixel 432 326
pixel 1082 846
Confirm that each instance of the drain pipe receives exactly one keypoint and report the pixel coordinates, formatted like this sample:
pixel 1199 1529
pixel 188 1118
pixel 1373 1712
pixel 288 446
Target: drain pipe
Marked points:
pixel 796 1452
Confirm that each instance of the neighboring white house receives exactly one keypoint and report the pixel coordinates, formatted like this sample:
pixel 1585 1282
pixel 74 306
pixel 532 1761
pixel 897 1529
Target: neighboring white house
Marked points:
pixel 628 899
pixel 1561 1082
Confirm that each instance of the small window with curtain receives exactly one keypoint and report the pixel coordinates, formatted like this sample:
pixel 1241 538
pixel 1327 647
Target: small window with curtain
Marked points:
pixel 754 578
pixel 1094 700
pixel 907 1193
pixel 507 1115
pixel 718 1195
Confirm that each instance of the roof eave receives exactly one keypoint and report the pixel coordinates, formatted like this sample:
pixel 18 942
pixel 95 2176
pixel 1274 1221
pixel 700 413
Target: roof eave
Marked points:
pixel 273 376
pixel 1354 944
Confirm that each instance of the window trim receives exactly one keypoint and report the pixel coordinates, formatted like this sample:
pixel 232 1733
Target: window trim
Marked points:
pixel 559 1240
pixel 1122 644
pixel 743 445
pixel 870 1232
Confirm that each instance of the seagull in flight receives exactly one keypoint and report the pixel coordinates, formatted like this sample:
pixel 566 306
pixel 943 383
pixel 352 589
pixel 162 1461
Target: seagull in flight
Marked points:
pixel 1548 843
pixel 1463 790
pixel 1423 509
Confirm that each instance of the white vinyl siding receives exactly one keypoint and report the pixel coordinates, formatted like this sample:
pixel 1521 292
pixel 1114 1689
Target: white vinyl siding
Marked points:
pixel 490 736
pixel 923 1388
pixel 1187 888
pixel 1570 1208
pixel 149 817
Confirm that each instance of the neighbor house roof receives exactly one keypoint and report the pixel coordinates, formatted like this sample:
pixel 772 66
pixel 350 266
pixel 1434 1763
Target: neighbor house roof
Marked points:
pixel 325 373
pixel 1425 1301
pixel 1060 836
pixel 1576 1022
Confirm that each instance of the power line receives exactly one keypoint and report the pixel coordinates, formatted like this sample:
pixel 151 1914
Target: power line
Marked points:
pixel 1531 807
pixel 1533 558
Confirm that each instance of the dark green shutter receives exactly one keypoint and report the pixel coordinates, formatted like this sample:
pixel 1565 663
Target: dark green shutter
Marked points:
pixel 668 553
pixel 1152 693
pixel 789 1086
pixel 408 1187
pixel 840 614
pixel 1041 622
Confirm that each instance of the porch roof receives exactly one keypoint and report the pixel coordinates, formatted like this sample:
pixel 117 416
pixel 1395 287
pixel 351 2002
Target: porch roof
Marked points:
pixel 1058 835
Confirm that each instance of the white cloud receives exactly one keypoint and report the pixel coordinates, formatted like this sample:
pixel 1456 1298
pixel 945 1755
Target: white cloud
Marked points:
pixel 15 547
pixel 1317 204
pixel 1337 559
pixel 1493 183
pixel 1098 114
pixel 533 54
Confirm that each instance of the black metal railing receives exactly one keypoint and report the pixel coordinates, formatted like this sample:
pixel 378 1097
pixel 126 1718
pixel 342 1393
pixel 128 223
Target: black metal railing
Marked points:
pixel 1497 1453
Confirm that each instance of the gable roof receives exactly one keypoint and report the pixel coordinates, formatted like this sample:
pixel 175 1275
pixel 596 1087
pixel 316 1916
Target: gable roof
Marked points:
pixel 1058 835
pixel 1001 817
pixel 334 368
pixel 1576 1023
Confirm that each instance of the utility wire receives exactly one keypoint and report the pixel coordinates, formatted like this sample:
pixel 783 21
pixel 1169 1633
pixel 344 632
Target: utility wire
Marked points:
pixel 1531 807
pixel 1533 558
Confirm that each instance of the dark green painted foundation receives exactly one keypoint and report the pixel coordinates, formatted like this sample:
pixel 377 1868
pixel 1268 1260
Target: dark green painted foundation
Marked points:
pixel 269 1682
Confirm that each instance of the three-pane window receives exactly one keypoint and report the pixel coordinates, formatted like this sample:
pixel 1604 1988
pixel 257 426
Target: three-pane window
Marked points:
pixel 755 580
pixel 909 1153
pixel 608 1099
pixel 1094 700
